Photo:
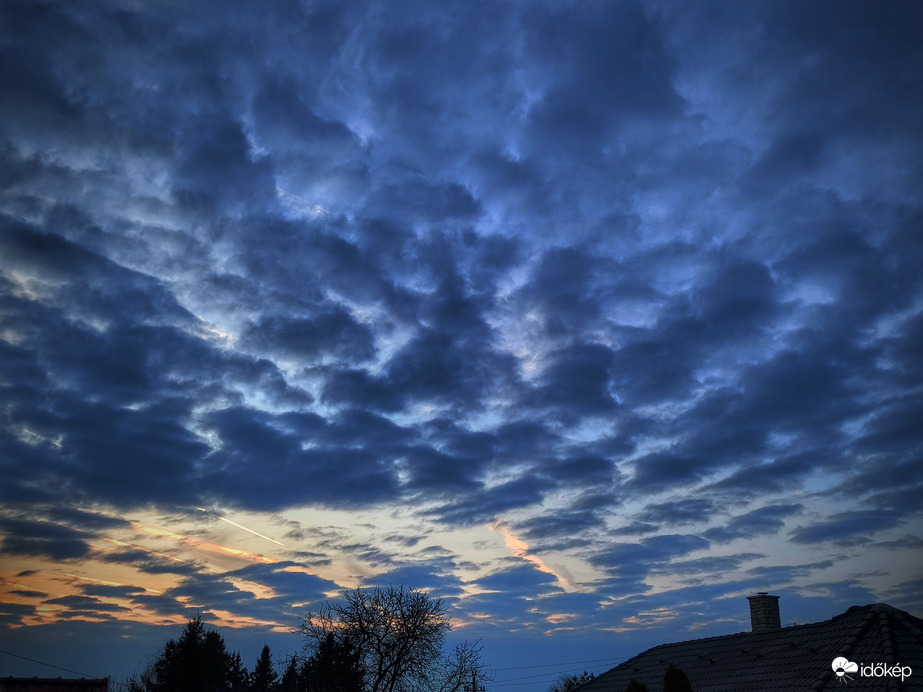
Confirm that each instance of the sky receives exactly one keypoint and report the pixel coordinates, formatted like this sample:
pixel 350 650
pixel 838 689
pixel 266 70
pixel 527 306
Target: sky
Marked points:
pixel 589 318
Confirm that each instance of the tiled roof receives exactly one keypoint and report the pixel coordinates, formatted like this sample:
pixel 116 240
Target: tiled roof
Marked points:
pixel 790 659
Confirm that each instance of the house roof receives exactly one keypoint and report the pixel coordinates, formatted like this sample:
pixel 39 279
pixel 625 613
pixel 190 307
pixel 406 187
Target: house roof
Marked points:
pixel 788 659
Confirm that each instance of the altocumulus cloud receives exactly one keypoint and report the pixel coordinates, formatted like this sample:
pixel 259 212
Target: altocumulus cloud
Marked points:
pixel 614 306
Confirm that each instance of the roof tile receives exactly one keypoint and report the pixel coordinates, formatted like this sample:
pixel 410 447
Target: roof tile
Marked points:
pixel 788 659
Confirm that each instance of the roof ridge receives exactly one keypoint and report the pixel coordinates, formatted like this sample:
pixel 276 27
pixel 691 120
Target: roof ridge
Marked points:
pixel 870 607
pixel 908 621
pixel 845 634
pixel 884 621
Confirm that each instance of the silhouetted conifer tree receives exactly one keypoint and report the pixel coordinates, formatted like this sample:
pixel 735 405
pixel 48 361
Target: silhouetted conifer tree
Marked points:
pixel 238 677
pixel 196 662
pixel 291 678
pixel 635 686
pixel 264 677
pixel 336 666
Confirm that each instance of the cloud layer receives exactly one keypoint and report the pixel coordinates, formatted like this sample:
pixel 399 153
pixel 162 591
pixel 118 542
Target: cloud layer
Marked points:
pixel 636 286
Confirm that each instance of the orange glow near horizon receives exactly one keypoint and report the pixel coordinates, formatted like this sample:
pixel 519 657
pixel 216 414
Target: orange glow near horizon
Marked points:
pixel 148 550
pixel 37 581
pixel 206 546
pixel 520 549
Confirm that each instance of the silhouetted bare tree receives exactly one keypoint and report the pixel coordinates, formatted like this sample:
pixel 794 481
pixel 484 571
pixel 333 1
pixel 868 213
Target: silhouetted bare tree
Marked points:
pixel 398 635
pixel 569 683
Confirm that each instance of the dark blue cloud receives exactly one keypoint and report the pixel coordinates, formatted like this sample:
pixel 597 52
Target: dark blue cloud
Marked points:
pixel 636 528
pixel 565 526
pixel 107 591
pixel 147 563
pixel 333 333
pixel 787 573
pixel 43 539
pixel 637 559
pixel 635 281
pixel 288 584
pixel 84 604
pixel 762 521
pixel 258 453
pixel 678 512
pixel 577 381
pixel 432 575
pixel 782 473
pixel 668 470
pixel 517 581
pixel 847 527
pixel 87 521
pixel 350 387
pixel 588 104
pixel 12 614
pixel 486 505
pixel 29 594
pixel 709 567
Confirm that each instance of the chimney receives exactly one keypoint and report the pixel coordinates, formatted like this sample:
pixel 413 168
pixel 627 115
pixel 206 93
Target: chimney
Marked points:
pixel 764 612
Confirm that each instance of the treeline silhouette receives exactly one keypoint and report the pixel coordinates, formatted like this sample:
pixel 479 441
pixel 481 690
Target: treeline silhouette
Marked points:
pixel 199 661
pixel 376 640
pixel 674 680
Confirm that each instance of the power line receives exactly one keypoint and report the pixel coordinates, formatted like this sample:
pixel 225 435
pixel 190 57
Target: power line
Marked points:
pixel 42 663
pixel 532 678
pixel 566 663
pixel 551 673
pixel 510 682
pixel 528 682
pixel 550 676
pixel 67 670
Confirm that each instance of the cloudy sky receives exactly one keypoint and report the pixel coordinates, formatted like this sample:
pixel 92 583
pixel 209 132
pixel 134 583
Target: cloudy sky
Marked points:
pixel 589 318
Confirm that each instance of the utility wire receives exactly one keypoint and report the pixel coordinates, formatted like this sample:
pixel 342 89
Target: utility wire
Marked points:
pixel 549 681
pixel 565 663
pixel 509 682
pixel 42 663
pixel 548 676
pixel 531 679
pixel 539 675
pixel 67 670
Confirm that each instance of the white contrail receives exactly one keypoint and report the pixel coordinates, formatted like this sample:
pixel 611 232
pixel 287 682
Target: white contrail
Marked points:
pixel 244 528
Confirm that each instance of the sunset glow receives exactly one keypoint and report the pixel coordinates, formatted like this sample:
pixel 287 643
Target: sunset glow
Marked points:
pixel 589 319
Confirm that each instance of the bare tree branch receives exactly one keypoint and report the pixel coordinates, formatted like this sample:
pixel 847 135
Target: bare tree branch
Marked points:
pixel 399 634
